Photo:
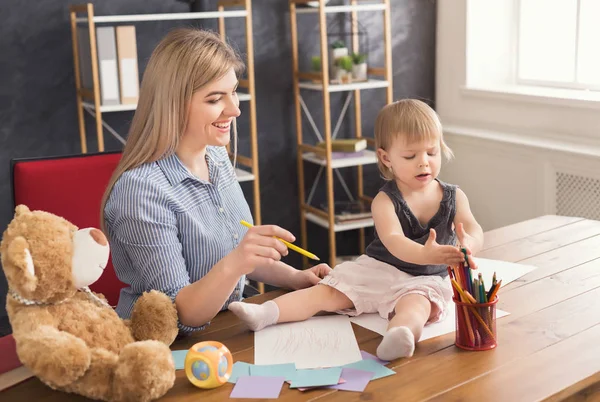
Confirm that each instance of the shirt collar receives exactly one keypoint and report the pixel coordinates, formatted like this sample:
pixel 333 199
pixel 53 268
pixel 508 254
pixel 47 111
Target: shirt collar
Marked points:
pixel 176 172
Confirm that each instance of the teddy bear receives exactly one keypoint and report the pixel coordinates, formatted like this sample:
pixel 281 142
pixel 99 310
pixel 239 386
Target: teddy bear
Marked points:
pixel 67 335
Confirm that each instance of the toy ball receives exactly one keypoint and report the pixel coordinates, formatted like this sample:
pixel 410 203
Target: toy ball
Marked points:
pixel 208 364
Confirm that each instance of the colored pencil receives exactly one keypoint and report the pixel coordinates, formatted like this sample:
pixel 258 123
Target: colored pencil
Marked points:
pixel 474 311
pixel 493 296
pixel 464 299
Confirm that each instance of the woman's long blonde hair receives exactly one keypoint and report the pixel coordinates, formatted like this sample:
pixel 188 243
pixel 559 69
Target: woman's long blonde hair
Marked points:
pixel 411 119
pixel 184 61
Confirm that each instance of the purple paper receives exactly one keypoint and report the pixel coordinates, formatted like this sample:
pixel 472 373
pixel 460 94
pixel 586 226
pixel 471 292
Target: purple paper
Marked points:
pixel 368 356
pixel 257 387
pixel 356 380
pixel 341 381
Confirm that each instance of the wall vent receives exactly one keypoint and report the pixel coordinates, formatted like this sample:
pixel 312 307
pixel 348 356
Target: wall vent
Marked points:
pixel 577 196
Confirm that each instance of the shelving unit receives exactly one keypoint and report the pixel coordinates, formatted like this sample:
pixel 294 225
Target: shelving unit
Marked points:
pixel 366 157
pixel 372 83
pixel 319 81
pixel 90 100
pixel 339 227
pixel 128 107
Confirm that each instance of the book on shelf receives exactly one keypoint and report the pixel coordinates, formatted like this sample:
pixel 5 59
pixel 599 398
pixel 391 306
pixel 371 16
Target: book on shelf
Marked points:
pixel 128 64
pixel 85 57
pixel 350 211
pixel 346 144
pixel 108 69
pixel 117 63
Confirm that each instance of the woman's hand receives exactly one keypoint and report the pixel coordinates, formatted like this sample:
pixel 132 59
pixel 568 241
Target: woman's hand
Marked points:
pixel 466 241
pixel 309 277
pixel 436 254
pixel 259 248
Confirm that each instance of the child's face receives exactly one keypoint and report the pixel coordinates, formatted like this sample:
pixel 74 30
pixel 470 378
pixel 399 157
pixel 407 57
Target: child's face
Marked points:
pixel 413 164
pixel 212 111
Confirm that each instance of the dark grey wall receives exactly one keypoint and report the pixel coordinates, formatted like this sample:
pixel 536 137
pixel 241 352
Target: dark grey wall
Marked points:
pixel 37 95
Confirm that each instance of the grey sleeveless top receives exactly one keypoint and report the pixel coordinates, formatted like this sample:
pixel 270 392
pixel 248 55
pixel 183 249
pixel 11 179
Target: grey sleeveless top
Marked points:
pixel 442 223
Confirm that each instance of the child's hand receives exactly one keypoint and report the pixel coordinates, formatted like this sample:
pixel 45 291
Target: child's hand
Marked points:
pixel 470 260
pixel 310 277
pixel 441 255
pixel 466 241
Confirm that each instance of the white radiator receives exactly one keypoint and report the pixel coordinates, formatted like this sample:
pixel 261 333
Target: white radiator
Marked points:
pixel 577 195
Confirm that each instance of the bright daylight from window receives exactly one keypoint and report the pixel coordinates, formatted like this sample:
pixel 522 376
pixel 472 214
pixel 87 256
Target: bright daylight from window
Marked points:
pixel 558 43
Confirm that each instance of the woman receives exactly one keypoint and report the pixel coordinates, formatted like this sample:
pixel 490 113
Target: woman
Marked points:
pixel 173 207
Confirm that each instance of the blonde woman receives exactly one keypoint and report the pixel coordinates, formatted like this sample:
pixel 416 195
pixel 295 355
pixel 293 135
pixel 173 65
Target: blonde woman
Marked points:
pixel 173 207
pixel 418 222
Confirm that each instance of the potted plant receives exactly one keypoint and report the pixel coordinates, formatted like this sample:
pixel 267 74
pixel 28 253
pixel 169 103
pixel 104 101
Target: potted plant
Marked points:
pixel 338 49
pixel 315 67
pixel 359 67
pixel 316 64
pixel 344 65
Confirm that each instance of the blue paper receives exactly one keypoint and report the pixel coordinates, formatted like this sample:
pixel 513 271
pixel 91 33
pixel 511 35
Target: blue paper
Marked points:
pixel 316 377
pixel 372 366
pixel 179 358
pixel 287 370
pixel 239 369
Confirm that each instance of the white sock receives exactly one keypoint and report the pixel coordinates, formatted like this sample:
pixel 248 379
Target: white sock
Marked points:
pixel 397 342
pixel 256 316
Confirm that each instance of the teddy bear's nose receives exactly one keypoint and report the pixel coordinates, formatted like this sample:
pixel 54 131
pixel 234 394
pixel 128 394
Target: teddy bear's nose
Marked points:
pixel 98 237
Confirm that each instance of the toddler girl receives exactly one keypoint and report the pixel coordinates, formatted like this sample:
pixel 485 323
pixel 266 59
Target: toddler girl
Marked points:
pixel 418 222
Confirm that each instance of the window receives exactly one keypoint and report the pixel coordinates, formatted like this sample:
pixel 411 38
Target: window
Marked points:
pixel 478 87
pixel 558 43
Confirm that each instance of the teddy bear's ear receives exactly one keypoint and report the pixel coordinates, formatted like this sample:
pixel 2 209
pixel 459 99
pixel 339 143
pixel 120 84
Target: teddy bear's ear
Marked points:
pixel 19 255
pixel 21 210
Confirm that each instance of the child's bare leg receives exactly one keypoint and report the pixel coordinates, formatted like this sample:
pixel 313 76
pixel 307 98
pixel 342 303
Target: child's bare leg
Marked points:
pixel 405 329
pixel 303 304
pixel 412 311
pixel 295 306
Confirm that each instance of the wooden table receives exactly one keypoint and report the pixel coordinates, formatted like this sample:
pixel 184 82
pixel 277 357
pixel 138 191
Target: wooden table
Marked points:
pixel 549 346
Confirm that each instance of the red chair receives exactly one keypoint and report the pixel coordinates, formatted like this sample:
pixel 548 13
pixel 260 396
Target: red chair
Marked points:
pixel 71 187
pixel 8 351
pixel 12 370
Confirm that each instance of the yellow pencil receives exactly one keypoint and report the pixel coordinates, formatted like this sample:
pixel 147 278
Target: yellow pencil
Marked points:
pixel 288 244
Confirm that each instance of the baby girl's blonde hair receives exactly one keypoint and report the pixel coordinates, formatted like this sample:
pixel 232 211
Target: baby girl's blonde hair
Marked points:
pixel 413 121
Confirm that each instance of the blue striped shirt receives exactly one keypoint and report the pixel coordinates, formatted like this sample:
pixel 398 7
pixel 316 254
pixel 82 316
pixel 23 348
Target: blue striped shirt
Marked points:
pixel 167 228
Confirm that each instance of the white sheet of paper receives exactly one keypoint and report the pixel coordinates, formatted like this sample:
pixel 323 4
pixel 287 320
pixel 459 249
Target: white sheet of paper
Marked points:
pixel 375 323
pixel 507 271
pixel 324 341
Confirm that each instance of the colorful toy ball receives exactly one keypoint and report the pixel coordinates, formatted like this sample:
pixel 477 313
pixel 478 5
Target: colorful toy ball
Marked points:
pixel 208 364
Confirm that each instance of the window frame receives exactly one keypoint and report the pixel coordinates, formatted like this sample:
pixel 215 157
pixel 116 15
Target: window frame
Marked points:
pixel 573 85
pixel 542 114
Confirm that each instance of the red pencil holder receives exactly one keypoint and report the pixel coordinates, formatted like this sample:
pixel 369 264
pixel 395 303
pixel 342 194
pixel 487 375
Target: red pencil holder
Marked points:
pixel 476 325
